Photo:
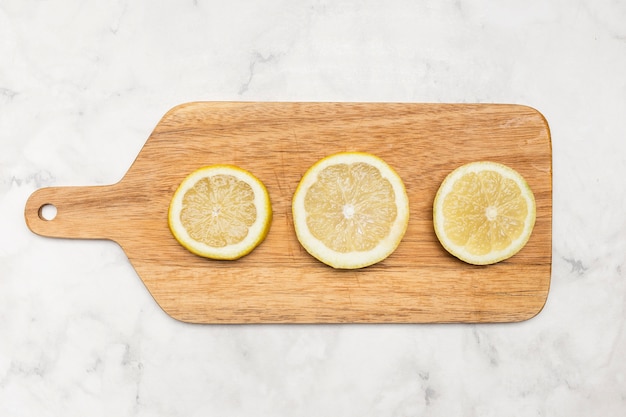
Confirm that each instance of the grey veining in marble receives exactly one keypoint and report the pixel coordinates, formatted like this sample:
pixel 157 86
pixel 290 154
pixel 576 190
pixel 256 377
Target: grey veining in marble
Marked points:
pixel 82 84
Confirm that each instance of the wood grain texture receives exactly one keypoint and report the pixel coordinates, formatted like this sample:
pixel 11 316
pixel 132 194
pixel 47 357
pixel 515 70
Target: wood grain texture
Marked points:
pixel 279 282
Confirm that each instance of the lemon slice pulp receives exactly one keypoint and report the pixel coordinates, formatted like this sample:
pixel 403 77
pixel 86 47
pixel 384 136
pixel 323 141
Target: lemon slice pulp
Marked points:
pixel 484 212
pixel 220 212
pixel 350 210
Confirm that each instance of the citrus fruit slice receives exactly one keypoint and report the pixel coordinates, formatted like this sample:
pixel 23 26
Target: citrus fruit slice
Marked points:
pixel 484 212
pixel 350 210
pixel 220 212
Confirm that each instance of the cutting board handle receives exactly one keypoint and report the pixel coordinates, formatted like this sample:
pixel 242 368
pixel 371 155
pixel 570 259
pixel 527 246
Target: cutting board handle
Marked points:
pixel 90 212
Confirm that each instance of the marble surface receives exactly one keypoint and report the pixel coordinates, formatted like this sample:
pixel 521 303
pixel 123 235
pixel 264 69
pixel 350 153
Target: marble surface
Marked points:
pixel 82 84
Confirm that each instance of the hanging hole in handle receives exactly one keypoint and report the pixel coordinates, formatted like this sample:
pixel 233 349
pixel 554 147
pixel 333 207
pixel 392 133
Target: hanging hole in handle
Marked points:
pixel 47 212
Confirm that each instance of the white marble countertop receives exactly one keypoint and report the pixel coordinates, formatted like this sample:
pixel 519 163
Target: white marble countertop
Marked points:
pixel 82 84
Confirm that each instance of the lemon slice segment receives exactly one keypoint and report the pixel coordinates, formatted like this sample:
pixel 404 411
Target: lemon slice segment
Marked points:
pixel 220 212
pixel 484 212
pixel 350 210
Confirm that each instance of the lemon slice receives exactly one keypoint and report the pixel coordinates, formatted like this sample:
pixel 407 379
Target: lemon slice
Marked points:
pixel 220 212
pixel 350 210
pixel 484 212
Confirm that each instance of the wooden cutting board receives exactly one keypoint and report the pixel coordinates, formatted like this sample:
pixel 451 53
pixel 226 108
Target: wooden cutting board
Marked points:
pixel 279 282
